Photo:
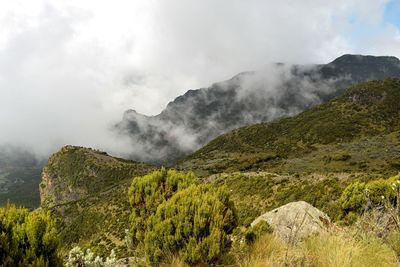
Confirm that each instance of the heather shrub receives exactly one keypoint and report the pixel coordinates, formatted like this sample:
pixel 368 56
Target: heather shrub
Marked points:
pixel 353 197
pixel 194 224
pixel 358 197
pixel 27 239
pixel 146 193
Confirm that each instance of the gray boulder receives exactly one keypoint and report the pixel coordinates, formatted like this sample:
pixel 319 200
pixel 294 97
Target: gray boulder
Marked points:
pixel 295 220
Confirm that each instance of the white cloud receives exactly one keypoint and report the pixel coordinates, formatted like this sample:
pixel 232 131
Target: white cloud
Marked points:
pixel 68 69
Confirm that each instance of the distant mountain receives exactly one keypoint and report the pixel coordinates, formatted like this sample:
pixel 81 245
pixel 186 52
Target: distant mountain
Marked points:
pixel 358 131
pixel 198 116
pixel 20 173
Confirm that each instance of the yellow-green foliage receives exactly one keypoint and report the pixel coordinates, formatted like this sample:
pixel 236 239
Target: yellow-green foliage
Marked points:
pixel 148 192
pixel 257 193
pixel 355 196
pixel 27 239
pixel 194 223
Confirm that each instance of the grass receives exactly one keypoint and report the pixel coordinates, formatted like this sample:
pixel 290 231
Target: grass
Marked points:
pixel 336 249
pixel 341 247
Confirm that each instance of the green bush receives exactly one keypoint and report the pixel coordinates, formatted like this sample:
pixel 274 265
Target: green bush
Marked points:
pixel 256 231
pixel 148 192
pixel 27 239
pixel 354 198
pixel 194 224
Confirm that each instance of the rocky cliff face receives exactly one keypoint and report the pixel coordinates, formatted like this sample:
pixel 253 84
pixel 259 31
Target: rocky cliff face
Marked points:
pixel 75 173
pixel 193 119
pixel 87 191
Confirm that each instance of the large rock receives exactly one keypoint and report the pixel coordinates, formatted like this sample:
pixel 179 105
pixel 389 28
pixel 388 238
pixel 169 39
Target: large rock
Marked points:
pixel 295 220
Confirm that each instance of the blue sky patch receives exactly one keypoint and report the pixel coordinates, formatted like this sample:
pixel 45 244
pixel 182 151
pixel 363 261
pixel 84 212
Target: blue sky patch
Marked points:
pixel 392 13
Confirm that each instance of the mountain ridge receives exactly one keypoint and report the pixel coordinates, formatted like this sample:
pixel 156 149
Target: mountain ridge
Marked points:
pixel 196 117
pixel 368 110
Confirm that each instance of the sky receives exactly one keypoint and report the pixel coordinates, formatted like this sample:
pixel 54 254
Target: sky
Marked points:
pixel 69 69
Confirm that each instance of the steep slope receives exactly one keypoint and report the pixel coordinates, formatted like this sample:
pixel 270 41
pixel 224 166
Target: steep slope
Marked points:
pixel 359 130
pixel 87 191
pixel 198 116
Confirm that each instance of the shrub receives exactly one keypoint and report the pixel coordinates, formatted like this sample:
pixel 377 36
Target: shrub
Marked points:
pixel 194 223
pixel 148 192
pixel 353 197
pixel 357 196
pixel 254 232
pixel 76 257
pixel 27 239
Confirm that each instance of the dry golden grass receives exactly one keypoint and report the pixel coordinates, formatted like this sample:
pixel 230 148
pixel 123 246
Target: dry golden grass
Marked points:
pixel 342 247
pixel 338 249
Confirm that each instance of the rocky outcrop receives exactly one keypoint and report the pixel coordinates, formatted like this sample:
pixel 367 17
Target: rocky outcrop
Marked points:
pixel 295 220
pixel 86 190
pixel 76 173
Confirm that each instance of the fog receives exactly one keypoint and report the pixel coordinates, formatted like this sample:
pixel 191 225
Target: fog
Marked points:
pixel 69 69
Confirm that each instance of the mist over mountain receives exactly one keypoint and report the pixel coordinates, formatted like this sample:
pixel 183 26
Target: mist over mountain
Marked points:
pixel 277 91
pixel 20 174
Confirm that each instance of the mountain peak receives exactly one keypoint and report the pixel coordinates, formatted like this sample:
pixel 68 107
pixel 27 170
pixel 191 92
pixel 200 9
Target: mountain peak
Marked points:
pixel 364 59
pixel 198 116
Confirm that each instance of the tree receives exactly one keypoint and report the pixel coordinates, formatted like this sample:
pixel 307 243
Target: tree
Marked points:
pixel 147 192
pixel 194 223
pixel 27 239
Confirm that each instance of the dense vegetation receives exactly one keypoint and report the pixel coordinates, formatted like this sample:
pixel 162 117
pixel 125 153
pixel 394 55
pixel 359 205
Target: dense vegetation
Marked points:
pixel 27 239
pixel 172 214
pixel 195 223
pixel 359 196
pixel 148 192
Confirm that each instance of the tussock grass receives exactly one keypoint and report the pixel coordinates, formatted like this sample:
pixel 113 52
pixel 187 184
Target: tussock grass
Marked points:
pixel 338 249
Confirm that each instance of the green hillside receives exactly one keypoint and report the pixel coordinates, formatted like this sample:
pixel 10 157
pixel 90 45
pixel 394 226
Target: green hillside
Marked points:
pixel 357 131
pixel 87 191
